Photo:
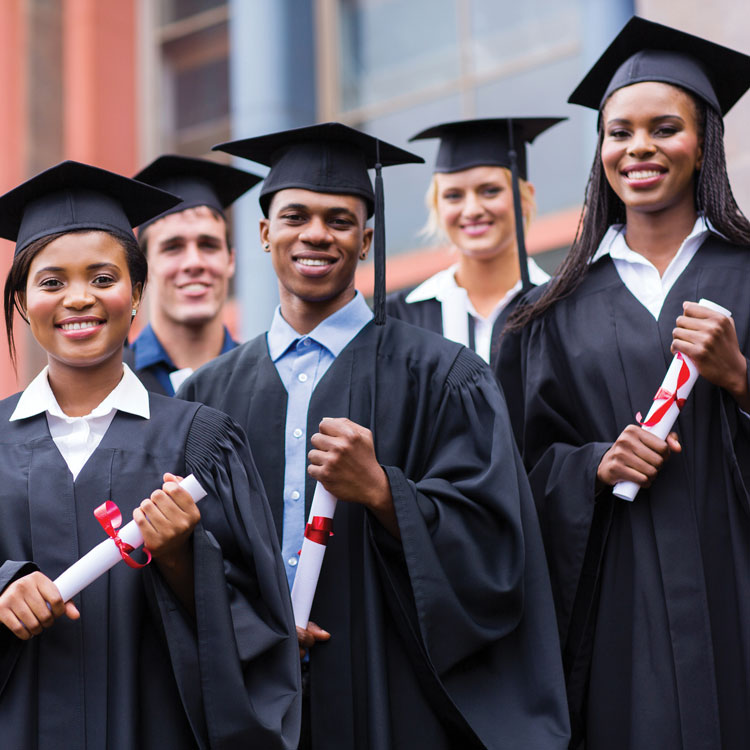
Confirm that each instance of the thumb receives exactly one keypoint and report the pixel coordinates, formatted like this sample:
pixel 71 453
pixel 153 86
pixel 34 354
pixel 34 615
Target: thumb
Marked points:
pixel 71 611
pixel 674 443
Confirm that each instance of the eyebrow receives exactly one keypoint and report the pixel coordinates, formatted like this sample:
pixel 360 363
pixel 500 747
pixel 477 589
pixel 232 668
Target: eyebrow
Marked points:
pixel 183 238
pixel 625 120
pixel 90 267
pixel 303 207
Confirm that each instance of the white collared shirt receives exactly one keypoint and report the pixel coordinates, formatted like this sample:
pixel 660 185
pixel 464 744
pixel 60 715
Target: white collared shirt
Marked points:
pixel 456 306
pixel 78 437
pixel 639 275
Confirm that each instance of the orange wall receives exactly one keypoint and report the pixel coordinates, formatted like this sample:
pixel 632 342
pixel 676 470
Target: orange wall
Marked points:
pixel 99 117
pixel 12 136
pixel 99 60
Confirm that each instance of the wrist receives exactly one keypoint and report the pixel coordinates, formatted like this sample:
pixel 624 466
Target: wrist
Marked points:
pixel 379 497
pixel 738 385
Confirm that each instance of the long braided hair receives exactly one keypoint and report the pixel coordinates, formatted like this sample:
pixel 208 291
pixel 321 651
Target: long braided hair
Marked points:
pixel 602 208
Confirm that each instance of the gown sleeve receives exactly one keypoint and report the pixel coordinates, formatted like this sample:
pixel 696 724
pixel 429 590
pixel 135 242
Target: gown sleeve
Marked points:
pixel 237 662
pixel 470 574
pixel 10 645
pixel 562 464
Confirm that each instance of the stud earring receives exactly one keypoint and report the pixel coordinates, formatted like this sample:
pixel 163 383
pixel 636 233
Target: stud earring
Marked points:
pixel 135 312
pixel 266 246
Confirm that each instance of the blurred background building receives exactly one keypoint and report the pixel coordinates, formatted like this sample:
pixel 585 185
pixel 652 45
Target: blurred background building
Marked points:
pixel 117 82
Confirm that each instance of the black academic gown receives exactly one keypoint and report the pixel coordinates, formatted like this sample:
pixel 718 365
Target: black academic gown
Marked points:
pixel 428 314
pixel 446 639
pixel 653 597
pixel 136 671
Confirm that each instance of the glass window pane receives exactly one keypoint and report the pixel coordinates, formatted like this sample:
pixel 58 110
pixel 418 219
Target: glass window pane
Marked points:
pixel 176 10
pixel 394 47
pixel 201 93
pixel 503 32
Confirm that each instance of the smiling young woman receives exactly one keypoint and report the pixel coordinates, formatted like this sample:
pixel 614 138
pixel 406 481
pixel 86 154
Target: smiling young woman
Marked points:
pixel 650 594
pixel 470 202
pixel 85 431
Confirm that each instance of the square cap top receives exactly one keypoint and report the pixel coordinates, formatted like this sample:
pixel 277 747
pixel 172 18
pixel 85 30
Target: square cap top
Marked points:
pixel 199 182
pixel 325 158
pixel 486 142
pixel 648 51
pixel 71 196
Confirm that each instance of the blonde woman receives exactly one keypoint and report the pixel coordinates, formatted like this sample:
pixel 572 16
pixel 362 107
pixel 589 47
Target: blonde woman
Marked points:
pixel 470 200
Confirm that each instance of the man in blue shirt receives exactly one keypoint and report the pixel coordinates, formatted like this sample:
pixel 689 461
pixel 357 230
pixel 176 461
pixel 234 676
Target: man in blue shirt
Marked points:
pixel 435 626
pixel 191 261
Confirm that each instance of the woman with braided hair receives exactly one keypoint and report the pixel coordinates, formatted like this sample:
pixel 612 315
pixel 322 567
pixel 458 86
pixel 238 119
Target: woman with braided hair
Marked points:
pixel 651 595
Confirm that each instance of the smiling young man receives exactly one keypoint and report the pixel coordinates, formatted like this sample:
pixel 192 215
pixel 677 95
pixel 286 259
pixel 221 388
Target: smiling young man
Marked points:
pixel 190 261
pixel 433 623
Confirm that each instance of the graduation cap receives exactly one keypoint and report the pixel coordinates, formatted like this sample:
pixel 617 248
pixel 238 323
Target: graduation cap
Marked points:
pixel 484 143
pixel 71 196
pixel 648 51
pixel 199 182
pixel 328 158
pixel 491 142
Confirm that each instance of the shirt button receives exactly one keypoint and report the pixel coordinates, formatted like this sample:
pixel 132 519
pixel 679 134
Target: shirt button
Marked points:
pixel 305 342
pixel 302 377
pixel 297 433
pixel 295 495
pixel 292 562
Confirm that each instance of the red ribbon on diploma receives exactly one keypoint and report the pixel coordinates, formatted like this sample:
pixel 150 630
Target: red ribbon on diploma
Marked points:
pixel 109 516
pixel 671 398
pixel 319 530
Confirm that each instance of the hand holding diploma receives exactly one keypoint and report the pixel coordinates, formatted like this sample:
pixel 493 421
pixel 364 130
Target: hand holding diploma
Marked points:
pixel 31 604
pixel 703 331
pixel 707 336
pixel 343 459
pixel 106 554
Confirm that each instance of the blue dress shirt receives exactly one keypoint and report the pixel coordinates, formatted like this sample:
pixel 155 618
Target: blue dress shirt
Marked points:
pixel 301 362
pixel 150 355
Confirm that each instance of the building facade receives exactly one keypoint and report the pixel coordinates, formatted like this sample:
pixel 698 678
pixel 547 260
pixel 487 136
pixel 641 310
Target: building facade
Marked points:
pixel 118 82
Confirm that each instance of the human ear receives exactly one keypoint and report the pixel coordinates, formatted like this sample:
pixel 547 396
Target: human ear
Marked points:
pixel 264 226
pixel 136 295
pixel 366 243
pixel 20 303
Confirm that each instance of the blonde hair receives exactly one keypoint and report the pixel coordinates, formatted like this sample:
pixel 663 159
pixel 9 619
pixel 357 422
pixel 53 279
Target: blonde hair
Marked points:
pixel 433 229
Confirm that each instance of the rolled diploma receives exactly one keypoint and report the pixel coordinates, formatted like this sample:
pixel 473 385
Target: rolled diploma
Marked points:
pixel 311 559
pixel 628 490
pixel 106 554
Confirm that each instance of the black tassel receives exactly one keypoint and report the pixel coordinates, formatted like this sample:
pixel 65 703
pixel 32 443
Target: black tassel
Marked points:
pixel 379 241
pixel 518 210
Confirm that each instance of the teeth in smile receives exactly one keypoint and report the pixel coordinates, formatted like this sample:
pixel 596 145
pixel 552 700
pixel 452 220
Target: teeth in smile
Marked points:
pixel 193 287
pixel 79 326
pixel 643 174
pixel 313 261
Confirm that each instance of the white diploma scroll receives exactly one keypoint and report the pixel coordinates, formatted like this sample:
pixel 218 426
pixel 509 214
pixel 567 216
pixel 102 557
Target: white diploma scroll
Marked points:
pixel 106 554
pixel 317 531
pixel 675 388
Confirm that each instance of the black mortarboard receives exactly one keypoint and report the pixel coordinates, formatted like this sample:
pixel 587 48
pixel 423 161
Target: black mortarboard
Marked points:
pixel 484 143
pixel 491 142
pixel 648 51
pixel 328 158
pixel 199 182
pixel 73 196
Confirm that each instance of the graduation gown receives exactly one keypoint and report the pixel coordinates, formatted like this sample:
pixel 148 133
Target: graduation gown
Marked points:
pixel 445 639
pixel 653 597
pixel 428 313
pixel 136 671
